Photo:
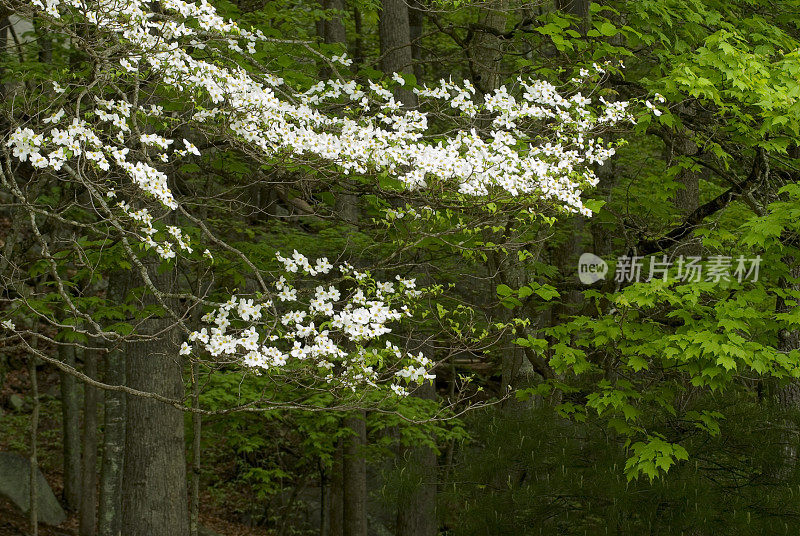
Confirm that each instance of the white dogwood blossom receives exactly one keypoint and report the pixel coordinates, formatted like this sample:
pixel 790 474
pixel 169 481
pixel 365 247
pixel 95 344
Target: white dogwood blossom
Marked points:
pixel 526 140
pixel 338 336
pixel 385 137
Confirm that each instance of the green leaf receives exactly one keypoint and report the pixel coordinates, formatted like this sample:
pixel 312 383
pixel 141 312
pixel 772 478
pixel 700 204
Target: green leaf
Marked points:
pixel 504 290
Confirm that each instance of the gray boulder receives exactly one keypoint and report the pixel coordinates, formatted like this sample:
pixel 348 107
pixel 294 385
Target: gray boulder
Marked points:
pixel 15 402
pixel 15 480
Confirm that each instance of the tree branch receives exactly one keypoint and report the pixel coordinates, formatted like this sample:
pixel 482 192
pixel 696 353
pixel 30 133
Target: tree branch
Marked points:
pixel 649 246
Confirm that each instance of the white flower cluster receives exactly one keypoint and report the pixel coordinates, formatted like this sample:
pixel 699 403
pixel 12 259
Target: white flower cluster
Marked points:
pixel 541 145
pixel 62 145
pixel 299 261
pixel 343 59
pixel 80 141
pixel 408 212
pixel 390 139
pixel 585 74
pixel 660 99
pixel 165 248
pixel 267 336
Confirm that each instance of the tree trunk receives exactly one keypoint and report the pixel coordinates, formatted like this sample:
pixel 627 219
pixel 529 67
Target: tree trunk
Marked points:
pixel 70 415
pixel 687 196
pixel 5 24
pixel 334 31
pixel 197 422
pixel 395 37
pixel 154 490
pixel 110 508
pixel 88 511
pixel 354 477
pixel 788 396
pixel 336 494
pixel 487 51
pixel 506 268
pixel 416 509
pixel 576 8
pixel 416 25
pixel 324 503
pixel 33 513
pixel 358 52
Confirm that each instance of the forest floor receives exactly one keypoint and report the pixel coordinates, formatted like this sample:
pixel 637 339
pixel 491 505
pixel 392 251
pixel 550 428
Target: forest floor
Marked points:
pixel 14 437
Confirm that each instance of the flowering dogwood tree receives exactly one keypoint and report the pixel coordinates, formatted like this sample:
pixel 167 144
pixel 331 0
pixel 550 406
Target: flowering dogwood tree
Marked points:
pixel 170 77
pixel 331 336
pixel 117 168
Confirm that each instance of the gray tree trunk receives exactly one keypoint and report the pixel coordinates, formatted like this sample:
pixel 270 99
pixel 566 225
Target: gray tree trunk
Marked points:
pixel 687 196
pixel 70 418
pixel 358 45
pixel 197 423
pixel 154 489
pixel 395 37
pixel 33 514
pixel 334 31
pixel 416 509
pixel 88 510
pixel 354 477
pixel 335 495
pixel 788 396
pixel 487 50
pixel 416 23
pixel 579 9
pixel 110 507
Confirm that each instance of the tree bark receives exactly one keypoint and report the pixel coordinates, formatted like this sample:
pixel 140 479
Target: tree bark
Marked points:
pixel 788 396
pixel 687 196
pixel 70 415
pixel 324 503
pixel 358 52
pixel 354 477
pixel 395 37
pixel 33 513
pixel 416 509
pixel 110 508
pixel 5 24
pixel 88 510
pixel 487 52
pixel 416 26
pixel 154 490
pixel 576 8
pixel 334 31
pixel 336 494
pixel 197 422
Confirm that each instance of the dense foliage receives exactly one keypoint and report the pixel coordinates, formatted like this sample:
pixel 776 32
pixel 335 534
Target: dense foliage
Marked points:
pixel 326 232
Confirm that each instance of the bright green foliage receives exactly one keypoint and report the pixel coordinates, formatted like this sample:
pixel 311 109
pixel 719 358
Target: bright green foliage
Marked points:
pixel 652 407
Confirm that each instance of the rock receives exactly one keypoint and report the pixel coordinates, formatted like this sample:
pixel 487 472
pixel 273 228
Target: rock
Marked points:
pixel 15 402
pixel 15 485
